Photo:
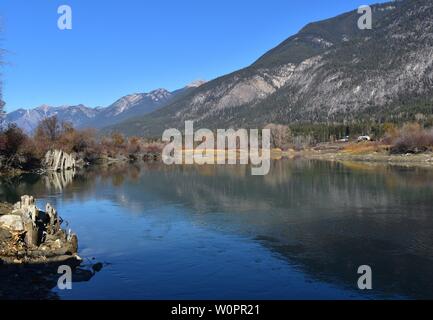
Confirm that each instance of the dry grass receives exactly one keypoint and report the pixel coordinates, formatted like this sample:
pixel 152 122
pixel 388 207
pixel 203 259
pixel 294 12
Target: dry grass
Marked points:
pixel 365 148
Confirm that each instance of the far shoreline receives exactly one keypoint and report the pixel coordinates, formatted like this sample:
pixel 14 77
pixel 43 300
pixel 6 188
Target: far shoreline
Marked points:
pixel 424 160
pixel 329 152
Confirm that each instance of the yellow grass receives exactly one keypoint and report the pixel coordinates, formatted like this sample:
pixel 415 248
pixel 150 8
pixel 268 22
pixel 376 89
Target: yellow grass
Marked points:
pixel 356 165
pixel 365 148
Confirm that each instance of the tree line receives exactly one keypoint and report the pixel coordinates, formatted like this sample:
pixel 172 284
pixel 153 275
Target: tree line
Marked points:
pixel 19 150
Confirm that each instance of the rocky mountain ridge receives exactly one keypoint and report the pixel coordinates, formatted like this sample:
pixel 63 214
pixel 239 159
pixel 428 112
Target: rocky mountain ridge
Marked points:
pixel 81 116
pixel 331 71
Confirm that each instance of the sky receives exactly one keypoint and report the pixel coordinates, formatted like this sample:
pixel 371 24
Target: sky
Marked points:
pixel 118 47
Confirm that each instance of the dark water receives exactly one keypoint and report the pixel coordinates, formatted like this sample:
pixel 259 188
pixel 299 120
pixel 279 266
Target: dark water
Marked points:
pixel 218 233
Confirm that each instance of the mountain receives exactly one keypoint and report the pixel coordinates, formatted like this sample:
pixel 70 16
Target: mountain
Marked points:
pixel 28 120
pixel 130 106
pixel 331 71
pixel 137 104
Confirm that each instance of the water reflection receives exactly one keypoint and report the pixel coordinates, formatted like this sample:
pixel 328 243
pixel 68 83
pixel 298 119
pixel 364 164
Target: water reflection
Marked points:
pixel 326 219
pixel 58 180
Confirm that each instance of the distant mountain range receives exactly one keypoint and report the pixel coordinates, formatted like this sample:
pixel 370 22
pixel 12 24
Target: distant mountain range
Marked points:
pixel 130 106
pixel 28 120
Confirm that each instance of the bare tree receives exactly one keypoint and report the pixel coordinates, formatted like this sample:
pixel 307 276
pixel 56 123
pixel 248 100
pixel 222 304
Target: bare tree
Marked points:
pixel 49 128
pixel 280 135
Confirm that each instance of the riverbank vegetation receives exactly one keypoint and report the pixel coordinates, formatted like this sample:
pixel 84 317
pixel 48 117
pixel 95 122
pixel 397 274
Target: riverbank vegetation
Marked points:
pixel 412 137
pixel 19 151
pixel 23 152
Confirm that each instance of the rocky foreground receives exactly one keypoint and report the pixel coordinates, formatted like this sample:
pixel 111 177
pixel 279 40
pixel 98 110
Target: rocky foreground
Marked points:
pixel 32 247
pixel 29 235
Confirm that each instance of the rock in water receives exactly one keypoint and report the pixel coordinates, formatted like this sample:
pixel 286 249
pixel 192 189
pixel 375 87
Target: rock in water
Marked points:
pixel 57 160
pixel 32 236
pixel 54 220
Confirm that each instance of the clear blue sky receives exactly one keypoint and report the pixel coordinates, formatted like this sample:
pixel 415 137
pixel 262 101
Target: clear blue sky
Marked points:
pixel 121 47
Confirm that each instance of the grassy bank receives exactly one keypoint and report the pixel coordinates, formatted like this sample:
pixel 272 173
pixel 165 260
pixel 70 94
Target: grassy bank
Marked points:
pixel 366 152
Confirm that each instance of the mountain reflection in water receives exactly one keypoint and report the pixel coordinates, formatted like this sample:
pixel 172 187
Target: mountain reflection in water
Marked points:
pixel 217 232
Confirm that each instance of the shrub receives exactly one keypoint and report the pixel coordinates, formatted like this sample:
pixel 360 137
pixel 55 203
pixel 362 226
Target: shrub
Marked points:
pixel 77 141
pixel 49 129
pixel 11 140
pixel 153 148
pixel 280 135
pixel 412 138
pixel 118 140
pixel 134 145
pixel 391 133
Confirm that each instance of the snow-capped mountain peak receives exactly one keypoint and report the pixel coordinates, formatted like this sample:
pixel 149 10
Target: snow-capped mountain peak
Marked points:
pixel 132 105
pixel 159 94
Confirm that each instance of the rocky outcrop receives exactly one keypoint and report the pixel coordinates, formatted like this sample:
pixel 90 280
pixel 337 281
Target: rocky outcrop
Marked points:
pixel 57 160
pixel 29 235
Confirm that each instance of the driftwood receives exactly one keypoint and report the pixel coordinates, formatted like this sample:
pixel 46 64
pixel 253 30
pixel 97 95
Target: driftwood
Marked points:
pixel 57 160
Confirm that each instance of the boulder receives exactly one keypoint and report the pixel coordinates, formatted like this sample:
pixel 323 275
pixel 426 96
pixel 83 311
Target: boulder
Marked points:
pixel 12 222
pixel 57 160
pixel 27 209
pixel 30 235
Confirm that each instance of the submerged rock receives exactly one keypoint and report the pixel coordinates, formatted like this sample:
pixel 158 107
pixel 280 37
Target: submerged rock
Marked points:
pixel 29 235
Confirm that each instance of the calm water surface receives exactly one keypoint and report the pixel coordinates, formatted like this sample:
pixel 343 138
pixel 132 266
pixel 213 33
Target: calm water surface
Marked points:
pixel 218 233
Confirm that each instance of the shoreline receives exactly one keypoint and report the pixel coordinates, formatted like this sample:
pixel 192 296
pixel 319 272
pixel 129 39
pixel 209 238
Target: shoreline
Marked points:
pixel 423 160
pixel 335 153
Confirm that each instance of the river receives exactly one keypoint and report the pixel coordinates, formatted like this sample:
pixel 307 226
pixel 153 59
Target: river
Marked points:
pixel 216 232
